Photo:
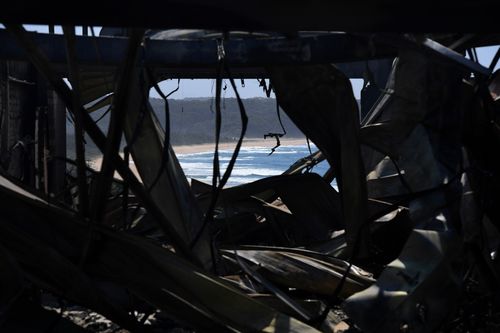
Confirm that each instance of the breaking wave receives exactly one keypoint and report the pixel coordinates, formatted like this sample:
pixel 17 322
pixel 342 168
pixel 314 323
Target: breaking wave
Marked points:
pixel 253 163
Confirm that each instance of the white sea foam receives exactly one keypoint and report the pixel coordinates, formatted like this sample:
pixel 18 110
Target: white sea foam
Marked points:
pixel 233 181
pixel 255 172
pixel 253 163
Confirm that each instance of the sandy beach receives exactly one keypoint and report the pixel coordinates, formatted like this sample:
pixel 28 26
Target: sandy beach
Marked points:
pixel 95 163
pixel 205 147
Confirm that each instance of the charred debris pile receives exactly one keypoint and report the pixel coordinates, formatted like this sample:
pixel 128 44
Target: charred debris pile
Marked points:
pixel 408 243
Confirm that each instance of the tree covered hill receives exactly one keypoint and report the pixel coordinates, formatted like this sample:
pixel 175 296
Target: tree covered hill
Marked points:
pixel 192 121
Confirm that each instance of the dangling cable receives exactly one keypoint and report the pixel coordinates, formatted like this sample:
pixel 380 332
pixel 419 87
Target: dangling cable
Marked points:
pixel 277 136
pixel 215 169
pixel 265 88
pixel 224 92
pixel 244 123
pixel 218 119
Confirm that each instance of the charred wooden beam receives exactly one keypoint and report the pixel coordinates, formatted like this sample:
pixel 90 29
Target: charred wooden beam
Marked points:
pixel 18 120
pixel 198 58
pixel 56 119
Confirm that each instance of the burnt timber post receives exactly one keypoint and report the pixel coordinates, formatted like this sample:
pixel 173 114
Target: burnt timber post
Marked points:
pixel 56 121
pixel 18 107
pixel 32 128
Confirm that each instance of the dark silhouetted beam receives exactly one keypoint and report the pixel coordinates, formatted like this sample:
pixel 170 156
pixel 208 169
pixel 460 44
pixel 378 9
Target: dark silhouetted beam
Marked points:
pixel 198 58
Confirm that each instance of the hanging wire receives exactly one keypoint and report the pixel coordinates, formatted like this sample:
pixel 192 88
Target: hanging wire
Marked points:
pixel 224 92
pixel 212 100
pixel 216 179
pixel 218 182
pixel 267 89
pixel 277 136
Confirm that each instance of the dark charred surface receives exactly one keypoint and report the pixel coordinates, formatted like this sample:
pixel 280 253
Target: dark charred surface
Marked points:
pixel 408 243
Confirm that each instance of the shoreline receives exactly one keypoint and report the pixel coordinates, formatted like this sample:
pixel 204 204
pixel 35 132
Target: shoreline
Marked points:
pixel 210 147
pixel 95 162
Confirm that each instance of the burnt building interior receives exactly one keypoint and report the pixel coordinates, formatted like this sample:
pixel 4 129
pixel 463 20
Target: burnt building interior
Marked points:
pixel 408 243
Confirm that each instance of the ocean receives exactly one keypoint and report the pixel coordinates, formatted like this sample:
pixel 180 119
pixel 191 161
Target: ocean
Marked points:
pixel 253 163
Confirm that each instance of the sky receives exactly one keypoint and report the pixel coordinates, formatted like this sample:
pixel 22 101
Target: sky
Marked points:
pixel 205 88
